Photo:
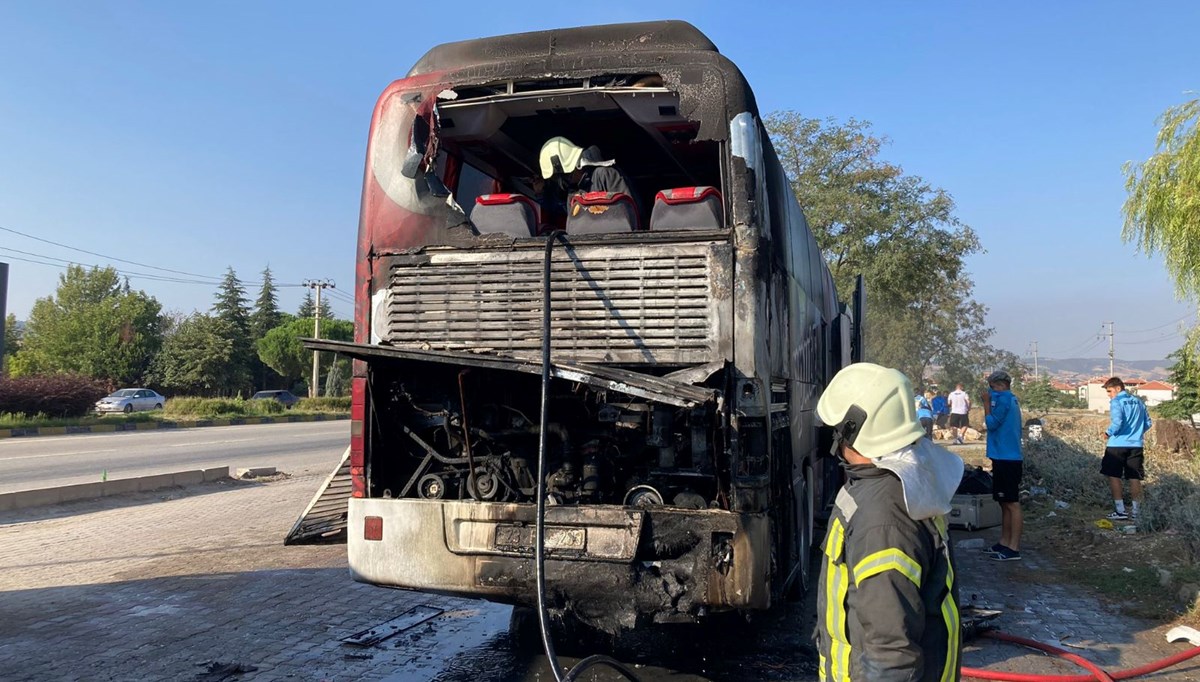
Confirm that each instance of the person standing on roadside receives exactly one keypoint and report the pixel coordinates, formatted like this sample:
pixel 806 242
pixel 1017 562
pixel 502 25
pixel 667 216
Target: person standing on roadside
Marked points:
pixel 960 407
pixel 924 412
pixel 1002 415
pixel 1123 453
pixel 887 601
pixel 941 410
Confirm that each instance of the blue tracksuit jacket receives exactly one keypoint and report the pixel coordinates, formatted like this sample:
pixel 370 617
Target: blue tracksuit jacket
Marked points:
pixel 1129 423
pixel 1004 426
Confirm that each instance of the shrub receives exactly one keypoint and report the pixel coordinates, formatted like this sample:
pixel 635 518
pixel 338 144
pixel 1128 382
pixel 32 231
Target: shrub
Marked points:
pixel 324 404
pixel 1067 463
pixel 220 408
pixel 55 395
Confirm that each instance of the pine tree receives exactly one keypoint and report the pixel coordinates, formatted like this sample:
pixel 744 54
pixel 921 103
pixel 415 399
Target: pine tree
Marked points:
pixel 307 306
pixel 231 307
pixel 266 315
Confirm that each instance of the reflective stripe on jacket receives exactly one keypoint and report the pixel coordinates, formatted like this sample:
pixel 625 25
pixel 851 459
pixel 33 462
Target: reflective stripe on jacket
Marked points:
pixel 887 602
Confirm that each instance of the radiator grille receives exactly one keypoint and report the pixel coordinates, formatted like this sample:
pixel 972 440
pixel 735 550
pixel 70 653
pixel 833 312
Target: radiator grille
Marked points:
pixel 609 304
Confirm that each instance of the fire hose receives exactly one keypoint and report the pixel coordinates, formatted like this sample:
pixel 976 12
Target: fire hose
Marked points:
pixel 1096 673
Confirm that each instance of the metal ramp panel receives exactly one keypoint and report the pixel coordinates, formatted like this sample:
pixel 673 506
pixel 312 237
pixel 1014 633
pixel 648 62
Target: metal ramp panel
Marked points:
pixel 324 520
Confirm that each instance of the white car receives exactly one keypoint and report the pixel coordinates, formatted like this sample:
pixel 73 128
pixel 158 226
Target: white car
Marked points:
pixel 129 400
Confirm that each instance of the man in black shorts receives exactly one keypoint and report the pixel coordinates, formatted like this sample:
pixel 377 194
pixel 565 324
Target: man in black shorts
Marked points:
pixel 1123 452
pixel 1002 416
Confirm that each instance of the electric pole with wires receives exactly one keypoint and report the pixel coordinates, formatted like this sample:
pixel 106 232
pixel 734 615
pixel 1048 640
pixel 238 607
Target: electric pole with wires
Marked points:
pixel 318 285
pixel 1111 355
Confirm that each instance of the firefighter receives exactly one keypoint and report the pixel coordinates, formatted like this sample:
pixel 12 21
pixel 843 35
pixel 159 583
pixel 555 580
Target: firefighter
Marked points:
pixel 887 602
pixel 582 170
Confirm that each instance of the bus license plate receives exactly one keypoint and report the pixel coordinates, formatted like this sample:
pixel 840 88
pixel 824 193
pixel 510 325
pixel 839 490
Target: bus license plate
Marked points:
pixel 522 538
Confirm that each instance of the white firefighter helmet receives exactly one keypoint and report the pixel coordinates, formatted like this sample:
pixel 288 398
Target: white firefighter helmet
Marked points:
pixel 872 407
pixel 568 154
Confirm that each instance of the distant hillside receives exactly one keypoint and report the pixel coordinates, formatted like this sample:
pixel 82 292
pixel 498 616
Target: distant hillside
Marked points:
pixel 1072 369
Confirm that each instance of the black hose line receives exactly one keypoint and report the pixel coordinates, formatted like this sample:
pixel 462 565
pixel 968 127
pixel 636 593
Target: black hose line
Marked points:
pixel 540 523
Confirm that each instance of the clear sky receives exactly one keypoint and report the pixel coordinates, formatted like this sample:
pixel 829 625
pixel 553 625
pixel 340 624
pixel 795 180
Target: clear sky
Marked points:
pixel 197 136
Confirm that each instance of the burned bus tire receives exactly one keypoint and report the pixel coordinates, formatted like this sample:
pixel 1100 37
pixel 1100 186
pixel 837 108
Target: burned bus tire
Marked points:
pixel 796 590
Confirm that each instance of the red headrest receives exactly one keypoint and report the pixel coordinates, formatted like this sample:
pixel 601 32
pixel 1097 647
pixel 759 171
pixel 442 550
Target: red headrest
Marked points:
pixel 503 199
pixel 600 198
pixel 686 195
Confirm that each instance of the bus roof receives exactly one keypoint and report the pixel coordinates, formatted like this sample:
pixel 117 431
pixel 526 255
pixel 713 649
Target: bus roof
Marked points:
pixel 649 36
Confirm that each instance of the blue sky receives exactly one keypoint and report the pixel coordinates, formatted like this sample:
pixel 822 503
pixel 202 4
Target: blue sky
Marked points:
pixel 204 135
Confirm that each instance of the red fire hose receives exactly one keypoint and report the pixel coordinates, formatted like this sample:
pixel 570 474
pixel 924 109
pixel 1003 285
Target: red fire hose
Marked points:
pixel 1097 673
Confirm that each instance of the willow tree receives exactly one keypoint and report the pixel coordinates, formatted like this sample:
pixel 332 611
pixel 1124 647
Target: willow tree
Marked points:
pixel 1162 212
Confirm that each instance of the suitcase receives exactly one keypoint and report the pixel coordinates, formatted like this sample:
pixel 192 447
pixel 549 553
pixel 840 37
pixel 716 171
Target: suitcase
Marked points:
pixel 973 512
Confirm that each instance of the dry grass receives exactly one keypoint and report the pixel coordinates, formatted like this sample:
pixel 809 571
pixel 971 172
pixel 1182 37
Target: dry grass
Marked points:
pixel 1067 464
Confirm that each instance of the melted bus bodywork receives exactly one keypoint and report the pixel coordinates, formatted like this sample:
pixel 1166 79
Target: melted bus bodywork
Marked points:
pixel 689 348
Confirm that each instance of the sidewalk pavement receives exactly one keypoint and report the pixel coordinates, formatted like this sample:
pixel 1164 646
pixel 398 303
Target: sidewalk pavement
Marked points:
pixel 158 586
pixel 1038 605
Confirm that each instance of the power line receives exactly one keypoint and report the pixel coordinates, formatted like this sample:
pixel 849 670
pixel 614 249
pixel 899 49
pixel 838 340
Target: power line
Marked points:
pixel 65 263
pixel 1090 342
pixel 1151 329
pixel 101 255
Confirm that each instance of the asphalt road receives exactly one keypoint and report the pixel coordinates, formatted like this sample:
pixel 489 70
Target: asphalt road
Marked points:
pixel 46 461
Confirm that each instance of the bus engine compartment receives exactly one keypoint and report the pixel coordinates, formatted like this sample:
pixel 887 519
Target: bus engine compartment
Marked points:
pixel 455 433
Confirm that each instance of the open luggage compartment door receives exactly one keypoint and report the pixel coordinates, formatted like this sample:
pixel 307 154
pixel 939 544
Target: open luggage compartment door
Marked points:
pixel 324 520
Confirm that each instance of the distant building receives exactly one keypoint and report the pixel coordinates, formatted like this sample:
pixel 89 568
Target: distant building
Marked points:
pixel 1062 387
pixel 1094 395
pixel 1155 392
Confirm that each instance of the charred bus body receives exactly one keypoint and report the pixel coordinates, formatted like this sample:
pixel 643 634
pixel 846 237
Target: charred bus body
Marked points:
pixel 690 338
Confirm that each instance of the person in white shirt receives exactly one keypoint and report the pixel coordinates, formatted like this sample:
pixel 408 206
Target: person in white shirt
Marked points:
pixel 960 406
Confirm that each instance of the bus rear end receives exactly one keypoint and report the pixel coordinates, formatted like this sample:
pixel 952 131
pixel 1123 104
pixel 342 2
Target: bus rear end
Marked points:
pixel 654 514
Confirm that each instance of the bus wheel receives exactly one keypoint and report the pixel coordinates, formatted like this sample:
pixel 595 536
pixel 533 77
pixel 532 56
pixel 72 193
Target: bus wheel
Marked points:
pixel 804 539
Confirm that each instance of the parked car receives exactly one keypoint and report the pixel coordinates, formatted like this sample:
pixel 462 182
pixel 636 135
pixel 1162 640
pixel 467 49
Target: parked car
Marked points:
pixel 130 400
pixel 287 398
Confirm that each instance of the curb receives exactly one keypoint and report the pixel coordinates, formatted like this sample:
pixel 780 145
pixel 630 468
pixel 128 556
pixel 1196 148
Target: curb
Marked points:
pixel 41 497
pixel 30 431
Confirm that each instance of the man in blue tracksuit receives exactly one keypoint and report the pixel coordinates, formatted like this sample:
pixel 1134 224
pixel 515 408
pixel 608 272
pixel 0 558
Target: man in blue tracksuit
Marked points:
pixel 924 413
pixel 1125 436
pixel 1002 415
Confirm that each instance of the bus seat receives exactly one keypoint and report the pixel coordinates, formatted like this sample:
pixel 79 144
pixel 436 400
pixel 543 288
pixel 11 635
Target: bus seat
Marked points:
pixel 511 214
pixel 601 213
pixel 687 208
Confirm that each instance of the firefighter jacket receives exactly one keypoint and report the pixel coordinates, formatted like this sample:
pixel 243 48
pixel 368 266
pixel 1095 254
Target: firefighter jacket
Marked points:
pixel 887 604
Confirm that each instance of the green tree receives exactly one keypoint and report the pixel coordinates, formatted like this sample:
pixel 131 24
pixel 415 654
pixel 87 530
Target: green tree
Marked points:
pixel 230 306
pixel 308 307
pixel 282 351
pixel 12 340
pixel 92 325
pixel 1185 375
pixel 897 230
pixel 1162 211
pixel 265 317
pixel 1038 397
pixel 197 357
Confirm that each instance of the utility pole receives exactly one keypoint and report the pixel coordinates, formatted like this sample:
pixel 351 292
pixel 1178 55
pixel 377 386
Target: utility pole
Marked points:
pixel 1035 361
pixel 317 284
pixel 1111 371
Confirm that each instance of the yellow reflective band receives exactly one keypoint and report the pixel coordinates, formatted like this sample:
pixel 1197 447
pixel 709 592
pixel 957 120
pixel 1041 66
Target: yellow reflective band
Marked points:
pixel 839 648
pixel 836 586
pixel 821 662
pixel 888 560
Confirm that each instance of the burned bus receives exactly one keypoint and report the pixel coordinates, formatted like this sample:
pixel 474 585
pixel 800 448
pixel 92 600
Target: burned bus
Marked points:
pixel 692 326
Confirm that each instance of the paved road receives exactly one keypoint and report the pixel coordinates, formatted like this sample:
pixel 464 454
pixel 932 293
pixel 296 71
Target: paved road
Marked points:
pixel 44 461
